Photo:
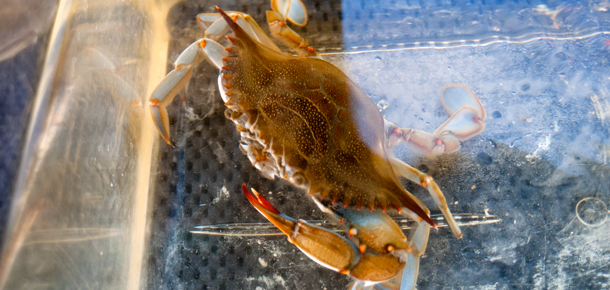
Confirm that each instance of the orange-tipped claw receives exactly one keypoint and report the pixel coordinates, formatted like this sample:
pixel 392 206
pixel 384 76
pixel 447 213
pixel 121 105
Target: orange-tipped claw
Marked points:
pixel 283 222
pixel 321 245
pixel 259 199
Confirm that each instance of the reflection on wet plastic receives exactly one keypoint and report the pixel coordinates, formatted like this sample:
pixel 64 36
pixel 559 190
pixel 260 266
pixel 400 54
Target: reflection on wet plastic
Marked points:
pixel 79 210
pixel 23 22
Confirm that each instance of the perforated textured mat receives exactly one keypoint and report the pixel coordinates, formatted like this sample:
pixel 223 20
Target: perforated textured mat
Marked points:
pixel 537 68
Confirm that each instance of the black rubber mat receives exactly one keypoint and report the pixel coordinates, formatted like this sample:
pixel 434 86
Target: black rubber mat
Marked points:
pixel 199 181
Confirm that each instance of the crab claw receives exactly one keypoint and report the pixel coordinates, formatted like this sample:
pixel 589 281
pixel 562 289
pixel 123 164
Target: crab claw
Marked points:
pixel 323 246
pixel 375 229
pixel 379 255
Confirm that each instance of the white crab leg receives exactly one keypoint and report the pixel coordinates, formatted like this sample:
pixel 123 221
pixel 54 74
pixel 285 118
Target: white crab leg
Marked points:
pixel 281 7
pixel 219 26
pixel 466 121
pixel 281 31
pixel 261 35
pixel 464 124
pixel 293 10
pixel 412 174
pixel 423 141
pixel 214 30
pixel 215 52
pixel 456 96
pixel 409 273
pixel 178 79
pixel 205 20
pixel 216 27
pixel 407 278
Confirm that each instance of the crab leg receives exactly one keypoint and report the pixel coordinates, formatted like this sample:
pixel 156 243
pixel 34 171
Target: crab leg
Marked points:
pixel 215 27
pixel 177 80
pixel 407 277
pixel 466 121
pixel 405 280
pixel 295 12
pixel 412 174
pixel 292 10
pixel 325 247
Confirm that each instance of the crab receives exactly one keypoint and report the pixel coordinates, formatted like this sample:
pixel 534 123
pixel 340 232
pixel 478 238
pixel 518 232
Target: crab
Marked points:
pixel 302 119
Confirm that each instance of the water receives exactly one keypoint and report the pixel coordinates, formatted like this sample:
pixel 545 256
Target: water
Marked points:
pixel 543 79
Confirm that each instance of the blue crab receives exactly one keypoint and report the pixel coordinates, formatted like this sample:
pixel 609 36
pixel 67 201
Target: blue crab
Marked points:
pixel 302 119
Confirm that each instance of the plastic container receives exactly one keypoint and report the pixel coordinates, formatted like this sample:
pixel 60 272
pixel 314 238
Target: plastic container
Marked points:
pixel 102 202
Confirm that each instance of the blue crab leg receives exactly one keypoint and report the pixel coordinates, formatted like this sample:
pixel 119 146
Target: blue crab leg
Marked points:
pixel 177 80
pixel 410 256
pixel 464 124
pixel 414 175
pixel 292 10
pixel 281 31
pixel 405 280
pixel 466 121
pixel 215 27
pixel 456 96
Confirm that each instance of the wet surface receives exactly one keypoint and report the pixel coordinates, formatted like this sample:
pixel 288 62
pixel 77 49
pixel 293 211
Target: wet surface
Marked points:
pixel 19 75
pixel 540 164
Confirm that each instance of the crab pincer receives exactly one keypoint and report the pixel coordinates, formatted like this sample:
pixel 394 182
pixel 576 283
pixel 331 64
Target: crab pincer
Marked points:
pixel 377 250
pixel 323 246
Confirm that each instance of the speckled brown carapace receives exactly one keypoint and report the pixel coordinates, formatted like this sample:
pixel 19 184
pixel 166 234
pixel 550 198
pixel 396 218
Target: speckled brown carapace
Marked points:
pixel 304 120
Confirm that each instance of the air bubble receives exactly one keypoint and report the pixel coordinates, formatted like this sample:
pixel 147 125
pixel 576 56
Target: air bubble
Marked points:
pixel 378 58
pixel 591 212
